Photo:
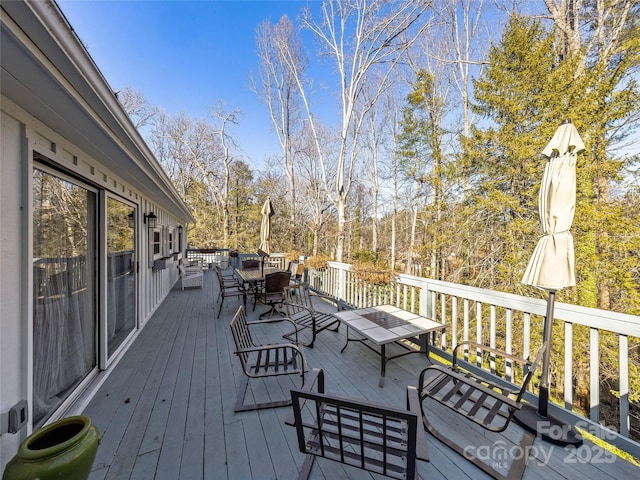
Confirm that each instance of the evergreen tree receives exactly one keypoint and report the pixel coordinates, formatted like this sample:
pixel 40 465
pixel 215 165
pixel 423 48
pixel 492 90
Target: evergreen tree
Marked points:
pixel 521 106
pixel 421 157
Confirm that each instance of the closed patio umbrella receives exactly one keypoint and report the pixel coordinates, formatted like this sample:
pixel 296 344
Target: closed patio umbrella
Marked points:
pixel 551 266
pixel 265 228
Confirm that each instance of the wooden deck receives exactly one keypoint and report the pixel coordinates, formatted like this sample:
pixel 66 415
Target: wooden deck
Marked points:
pixel 166 411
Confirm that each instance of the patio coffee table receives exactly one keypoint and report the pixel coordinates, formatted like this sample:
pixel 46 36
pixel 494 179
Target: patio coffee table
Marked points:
pixel 386 324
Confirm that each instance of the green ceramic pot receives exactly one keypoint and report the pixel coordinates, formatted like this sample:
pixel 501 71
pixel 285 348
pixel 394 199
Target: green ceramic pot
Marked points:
pixel 65 449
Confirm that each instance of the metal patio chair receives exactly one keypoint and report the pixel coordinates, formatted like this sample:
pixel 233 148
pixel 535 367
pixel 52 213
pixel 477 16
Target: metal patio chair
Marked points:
pixel 380 438
pixel 490 401
pixel 229 288
pixel 272 293
pixel 299 308
pixel 261 361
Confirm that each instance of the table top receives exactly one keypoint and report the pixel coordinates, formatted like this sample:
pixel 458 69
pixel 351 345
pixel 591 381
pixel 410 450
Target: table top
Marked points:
pixel 387 323
pixel 255 274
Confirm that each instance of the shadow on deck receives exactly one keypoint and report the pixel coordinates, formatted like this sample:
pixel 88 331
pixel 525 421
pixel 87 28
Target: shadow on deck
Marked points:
pixel 166 411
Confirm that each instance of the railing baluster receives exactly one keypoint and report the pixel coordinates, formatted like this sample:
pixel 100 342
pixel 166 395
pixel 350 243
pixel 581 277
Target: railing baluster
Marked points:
pixel 454 321
pixel 526 345
pixel 623 353
pixel 465 335
pixel 509 373
pixel 594 375
pixel 568 366
pixel 479 331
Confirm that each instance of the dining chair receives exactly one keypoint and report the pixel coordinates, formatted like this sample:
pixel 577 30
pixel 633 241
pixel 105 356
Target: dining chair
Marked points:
pixel 229 288
pixel 273 292
pixel 250 264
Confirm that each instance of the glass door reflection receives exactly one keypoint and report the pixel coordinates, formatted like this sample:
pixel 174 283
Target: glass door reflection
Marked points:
pixel 121 273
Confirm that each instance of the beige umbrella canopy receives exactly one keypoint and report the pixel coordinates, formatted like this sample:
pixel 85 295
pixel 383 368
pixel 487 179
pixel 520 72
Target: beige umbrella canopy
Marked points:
pixel 551 266
pixel 265 228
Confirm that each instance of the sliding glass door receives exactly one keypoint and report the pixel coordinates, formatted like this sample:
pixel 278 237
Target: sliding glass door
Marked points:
pixel 121 273
pixel 70 283
pixel 64 290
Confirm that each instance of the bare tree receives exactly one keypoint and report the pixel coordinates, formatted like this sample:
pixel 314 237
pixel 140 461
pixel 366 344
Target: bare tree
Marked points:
pixel 394 175
pixel 226 144
pixel 463 28
pixel 197 152
pixel 314 204
pixel 141 112
pixel 281 59
pixel 375 134
pixel 358 36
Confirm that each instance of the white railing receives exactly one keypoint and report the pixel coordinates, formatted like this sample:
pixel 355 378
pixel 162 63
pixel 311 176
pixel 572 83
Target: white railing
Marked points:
pixel 512 323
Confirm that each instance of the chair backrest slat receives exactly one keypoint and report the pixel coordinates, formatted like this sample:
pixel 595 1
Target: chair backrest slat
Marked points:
pixel 297 296
pixel 241 334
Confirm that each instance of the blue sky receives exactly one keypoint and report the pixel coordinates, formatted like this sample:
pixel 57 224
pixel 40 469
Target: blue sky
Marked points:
pixel 184 56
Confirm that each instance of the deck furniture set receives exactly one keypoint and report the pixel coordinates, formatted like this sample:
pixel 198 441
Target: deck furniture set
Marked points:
pixel 379 438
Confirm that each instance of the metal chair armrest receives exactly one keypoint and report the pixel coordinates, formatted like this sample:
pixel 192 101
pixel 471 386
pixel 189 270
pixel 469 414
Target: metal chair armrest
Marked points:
pixel 262 348
pixel 328 298
pixel 484 348
pixel 316 376
pixel 413 405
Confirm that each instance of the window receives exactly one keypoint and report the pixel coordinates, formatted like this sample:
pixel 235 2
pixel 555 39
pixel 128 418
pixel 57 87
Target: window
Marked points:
pixel 156 242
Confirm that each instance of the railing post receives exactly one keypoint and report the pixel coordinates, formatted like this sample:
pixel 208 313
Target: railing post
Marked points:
pixel 342 282
pixel 425 307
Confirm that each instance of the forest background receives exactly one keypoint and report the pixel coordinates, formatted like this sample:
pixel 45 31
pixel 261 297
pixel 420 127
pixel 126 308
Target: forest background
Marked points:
pixel 432 164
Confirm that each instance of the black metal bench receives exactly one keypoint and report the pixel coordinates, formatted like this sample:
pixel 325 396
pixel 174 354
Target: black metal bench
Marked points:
pixel 379 438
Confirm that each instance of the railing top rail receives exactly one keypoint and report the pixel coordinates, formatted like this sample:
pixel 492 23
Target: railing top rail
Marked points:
pixel 620 323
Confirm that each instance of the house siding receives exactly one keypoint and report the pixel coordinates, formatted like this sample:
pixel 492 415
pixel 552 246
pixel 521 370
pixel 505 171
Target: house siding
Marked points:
pixel 13 353
pixel 27 126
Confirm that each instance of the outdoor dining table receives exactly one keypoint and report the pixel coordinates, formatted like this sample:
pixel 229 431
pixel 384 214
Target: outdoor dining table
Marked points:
pixel 254 276
pixel 385 324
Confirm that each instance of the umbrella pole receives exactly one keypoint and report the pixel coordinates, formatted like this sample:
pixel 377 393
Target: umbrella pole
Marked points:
pixel 543 398
pixel 538 420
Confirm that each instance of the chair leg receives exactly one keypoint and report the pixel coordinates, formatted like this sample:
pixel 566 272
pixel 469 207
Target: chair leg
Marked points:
pixel 244 299
pixel 305 471
pixel 241 407
pixel 220 309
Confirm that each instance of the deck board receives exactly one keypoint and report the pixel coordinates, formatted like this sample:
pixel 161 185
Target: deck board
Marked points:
pixel 166 411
